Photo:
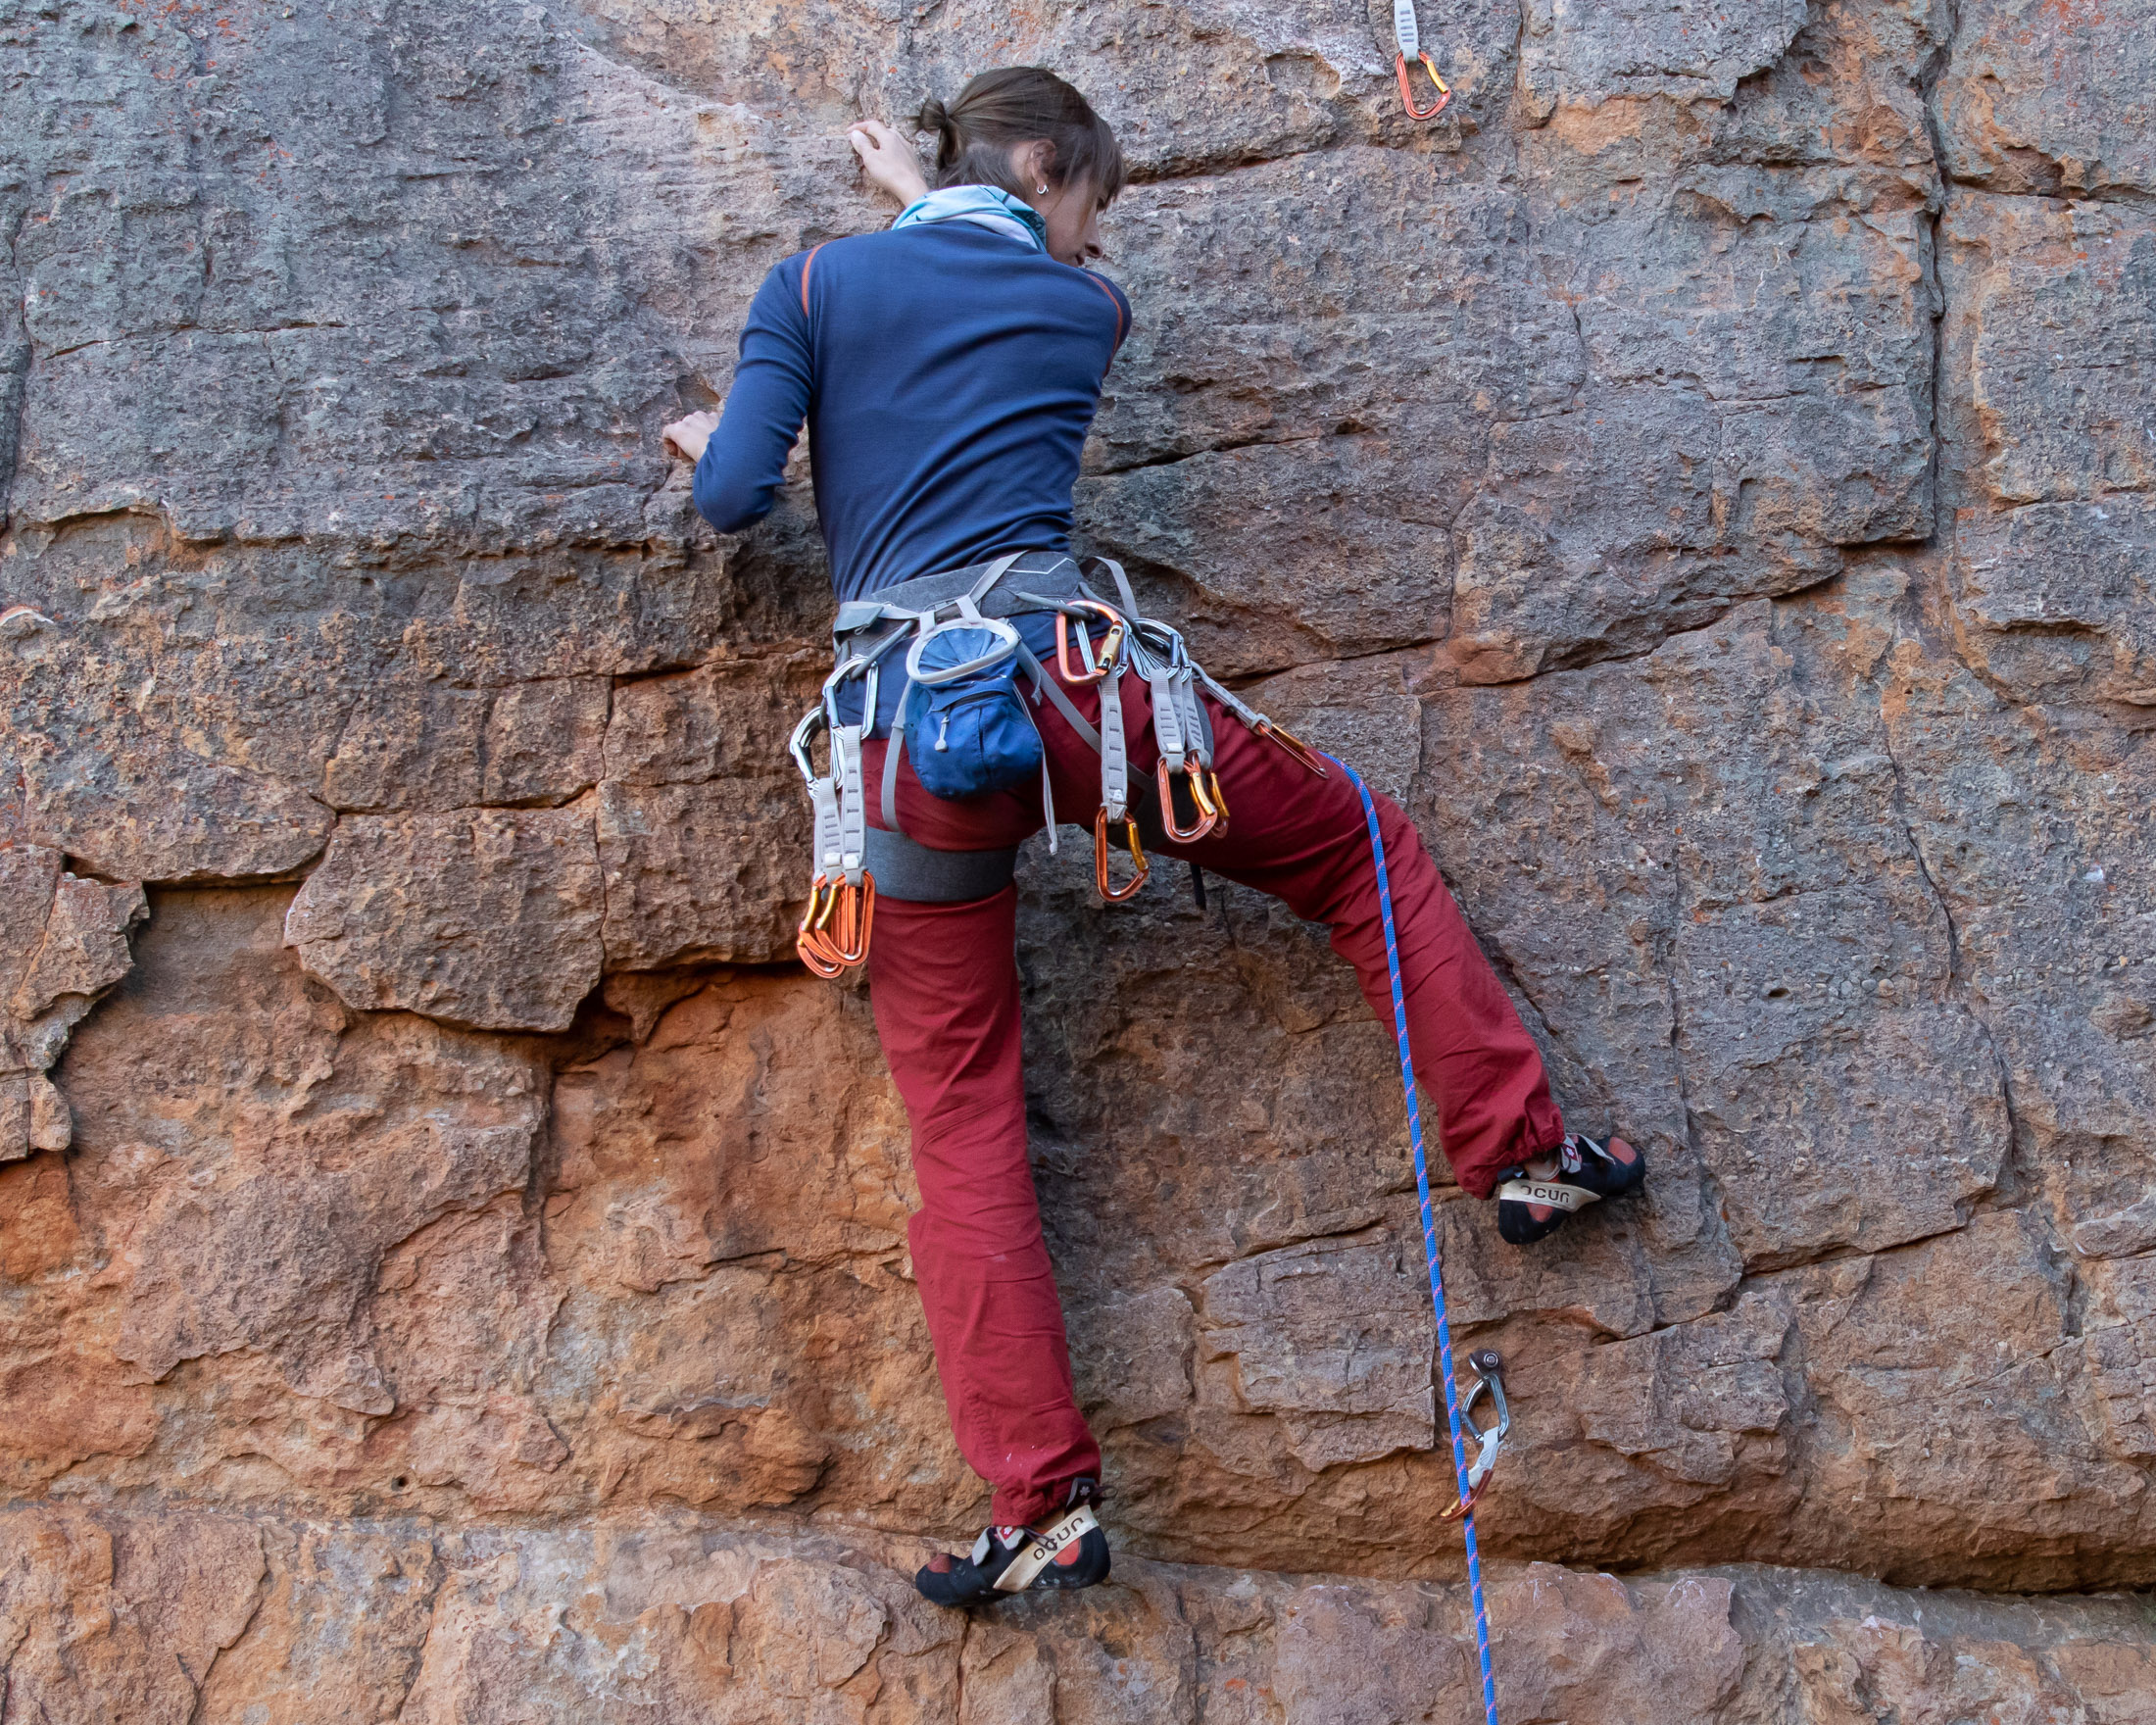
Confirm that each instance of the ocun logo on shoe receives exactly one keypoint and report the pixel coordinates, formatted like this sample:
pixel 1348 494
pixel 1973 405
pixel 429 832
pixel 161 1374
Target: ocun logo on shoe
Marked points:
pixel 1072 1527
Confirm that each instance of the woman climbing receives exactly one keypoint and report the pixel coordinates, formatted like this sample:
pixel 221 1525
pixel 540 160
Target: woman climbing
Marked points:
pixel 949 369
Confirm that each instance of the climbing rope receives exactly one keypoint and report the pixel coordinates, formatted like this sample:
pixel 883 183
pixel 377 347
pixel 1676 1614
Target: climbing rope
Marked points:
pixel 1430 1244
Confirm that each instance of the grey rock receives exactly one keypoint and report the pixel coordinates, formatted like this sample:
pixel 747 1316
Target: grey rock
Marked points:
pixel 484 918
pixel 2052 310
pixel 2032 101
pixel 1350 1392
pixel 1582 55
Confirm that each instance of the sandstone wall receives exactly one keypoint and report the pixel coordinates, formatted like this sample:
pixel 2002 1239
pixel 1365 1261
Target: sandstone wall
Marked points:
pixel 451 1263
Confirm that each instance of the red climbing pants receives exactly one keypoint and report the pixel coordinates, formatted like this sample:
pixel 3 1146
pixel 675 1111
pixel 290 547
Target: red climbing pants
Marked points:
pixel 944 983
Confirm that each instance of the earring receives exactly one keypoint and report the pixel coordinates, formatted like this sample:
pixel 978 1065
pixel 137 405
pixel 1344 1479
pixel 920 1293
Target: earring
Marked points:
pixel 1041 190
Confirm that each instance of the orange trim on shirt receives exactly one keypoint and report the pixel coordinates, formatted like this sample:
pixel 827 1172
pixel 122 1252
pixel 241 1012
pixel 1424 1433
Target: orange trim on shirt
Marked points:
pixel 804 263
pixel 1120 331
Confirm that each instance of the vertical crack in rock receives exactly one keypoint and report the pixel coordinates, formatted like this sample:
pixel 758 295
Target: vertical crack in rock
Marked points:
pixel 218 1649
pixel 1959 986
pixel 1929 75
pixel 415 1662
pixel 1937 548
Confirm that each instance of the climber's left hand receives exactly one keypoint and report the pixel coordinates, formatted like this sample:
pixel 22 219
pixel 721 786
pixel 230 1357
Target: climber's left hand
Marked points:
pixel 690 436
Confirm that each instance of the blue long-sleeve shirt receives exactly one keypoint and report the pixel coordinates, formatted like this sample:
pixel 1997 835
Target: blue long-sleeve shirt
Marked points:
pixel 947 374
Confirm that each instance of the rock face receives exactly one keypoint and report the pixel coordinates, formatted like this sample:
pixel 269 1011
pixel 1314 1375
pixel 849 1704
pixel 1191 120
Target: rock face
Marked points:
pixel 63 942
pixel 453 1262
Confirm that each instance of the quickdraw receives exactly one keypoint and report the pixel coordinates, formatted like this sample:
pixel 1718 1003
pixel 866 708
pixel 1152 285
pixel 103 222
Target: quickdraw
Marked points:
pixel 1185 735
pixel 1408 37
pixel 1488 1368
pixel 833 937
pixel 1102 878
pixel 1209 812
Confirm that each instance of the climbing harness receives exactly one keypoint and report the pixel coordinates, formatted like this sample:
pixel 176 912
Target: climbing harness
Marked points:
pixel 1469 1482
pixel 1408 37
pixel 961 657
pixel 1489 1370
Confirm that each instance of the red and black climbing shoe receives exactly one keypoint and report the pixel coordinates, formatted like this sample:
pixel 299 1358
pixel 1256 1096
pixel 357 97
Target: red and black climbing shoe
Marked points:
pixel 1068 1552
pixel 1532 1204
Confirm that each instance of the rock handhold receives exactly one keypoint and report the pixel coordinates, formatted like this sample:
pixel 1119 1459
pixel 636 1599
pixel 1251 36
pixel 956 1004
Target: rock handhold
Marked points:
pixel 486 918
pixel 62 943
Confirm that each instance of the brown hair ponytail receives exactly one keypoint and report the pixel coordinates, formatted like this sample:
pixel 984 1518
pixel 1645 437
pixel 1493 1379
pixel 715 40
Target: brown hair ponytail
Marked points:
pixel 1017 105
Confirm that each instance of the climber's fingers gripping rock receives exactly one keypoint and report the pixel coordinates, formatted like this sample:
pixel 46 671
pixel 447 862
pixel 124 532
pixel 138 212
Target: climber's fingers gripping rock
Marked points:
pixel 888 160
pixel 689 435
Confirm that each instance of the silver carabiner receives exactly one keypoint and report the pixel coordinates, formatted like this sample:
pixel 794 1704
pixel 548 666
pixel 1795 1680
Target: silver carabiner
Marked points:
pixel 798 744
pixel 1488 1368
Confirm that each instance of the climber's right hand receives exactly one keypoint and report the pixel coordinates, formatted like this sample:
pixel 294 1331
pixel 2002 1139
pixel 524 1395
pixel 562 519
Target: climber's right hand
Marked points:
pixel 888 160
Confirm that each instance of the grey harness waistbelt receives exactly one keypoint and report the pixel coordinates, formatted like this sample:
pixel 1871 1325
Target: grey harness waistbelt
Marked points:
pixel 1042 573
pixel 912 872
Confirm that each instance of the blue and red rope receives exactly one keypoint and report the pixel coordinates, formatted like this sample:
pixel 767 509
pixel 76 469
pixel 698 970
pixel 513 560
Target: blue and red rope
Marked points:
pixel 1429 1239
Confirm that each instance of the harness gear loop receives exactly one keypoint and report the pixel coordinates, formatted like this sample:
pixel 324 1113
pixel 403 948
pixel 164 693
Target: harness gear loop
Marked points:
pixel 1112 646
pixel 1406 91
pixel 1115 895
pixel 1460 1469
pixel 1488 1368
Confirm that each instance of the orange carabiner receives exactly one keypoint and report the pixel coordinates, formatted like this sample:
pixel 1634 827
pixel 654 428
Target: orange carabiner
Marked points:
pixel 1407 94
pixel 1101 858
pixel 809 943
pixel 1207 816
pixel 856 914
pixel 1219 805
pixel 812 956
pixel 834 934
pixel 1288 741
pixel 1111 644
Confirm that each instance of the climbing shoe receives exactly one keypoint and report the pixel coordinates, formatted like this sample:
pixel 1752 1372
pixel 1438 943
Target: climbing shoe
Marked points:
pixel 1531 1207
pixel 1069 1552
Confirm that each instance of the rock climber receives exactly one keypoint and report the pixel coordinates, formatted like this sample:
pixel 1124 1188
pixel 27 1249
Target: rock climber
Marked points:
pixel 949 369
